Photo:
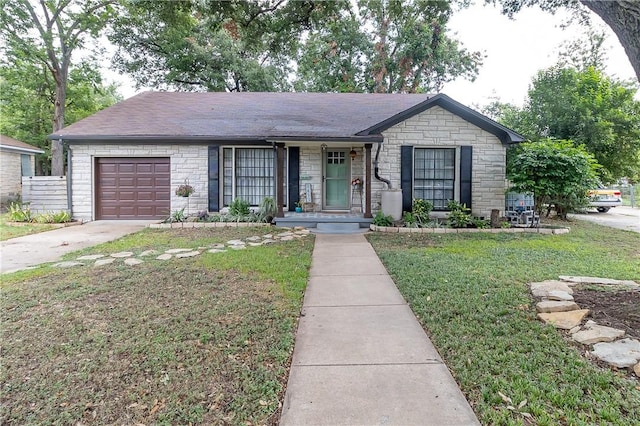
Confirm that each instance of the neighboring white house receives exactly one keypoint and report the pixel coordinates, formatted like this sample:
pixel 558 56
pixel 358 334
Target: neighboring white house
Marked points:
pixel 17 159
pixel 127 161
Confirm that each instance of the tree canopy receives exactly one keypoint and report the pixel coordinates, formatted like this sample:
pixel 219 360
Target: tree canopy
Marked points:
pixel 267 45
pixel 47 34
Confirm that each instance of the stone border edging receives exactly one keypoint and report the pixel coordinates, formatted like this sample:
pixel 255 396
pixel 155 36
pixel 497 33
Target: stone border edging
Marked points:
pixel 395 229
pixel 175 225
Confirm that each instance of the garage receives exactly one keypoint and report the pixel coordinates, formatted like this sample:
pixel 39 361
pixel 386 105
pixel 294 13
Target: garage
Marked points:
pixel 133 188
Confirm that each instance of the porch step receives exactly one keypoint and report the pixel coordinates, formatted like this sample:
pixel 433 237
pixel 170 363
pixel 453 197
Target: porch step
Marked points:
pixel 313 220
pixel 338 228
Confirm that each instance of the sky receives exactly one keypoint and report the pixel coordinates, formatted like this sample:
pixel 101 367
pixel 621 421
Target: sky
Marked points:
pixel 515 51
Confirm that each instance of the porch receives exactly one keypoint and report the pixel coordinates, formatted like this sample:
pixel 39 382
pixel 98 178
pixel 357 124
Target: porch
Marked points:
pixel 313 219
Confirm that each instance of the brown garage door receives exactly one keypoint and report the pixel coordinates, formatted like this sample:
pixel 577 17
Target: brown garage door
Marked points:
pixel 132 188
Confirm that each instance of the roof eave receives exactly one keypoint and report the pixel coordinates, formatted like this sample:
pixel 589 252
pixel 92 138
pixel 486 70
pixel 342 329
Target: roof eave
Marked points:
pixel 203 139
pixel 22 150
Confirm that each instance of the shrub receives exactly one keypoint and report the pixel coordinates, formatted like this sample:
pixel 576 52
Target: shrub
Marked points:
pixel 268 209
pixel 53 217
pixel 20 213
pixel 381 219
pixel 421 210
pixel 239 207
pixel 459 216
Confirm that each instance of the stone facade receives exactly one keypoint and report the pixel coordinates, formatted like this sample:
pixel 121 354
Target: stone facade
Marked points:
pixel 187 162
pixel 11 175
pixel 437 127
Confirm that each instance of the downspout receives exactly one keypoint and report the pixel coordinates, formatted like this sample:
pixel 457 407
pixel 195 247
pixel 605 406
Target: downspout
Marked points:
pixel 375 168
pixel 69 187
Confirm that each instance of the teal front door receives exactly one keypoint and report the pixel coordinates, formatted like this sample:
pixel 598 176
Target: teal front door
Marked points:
pixel 336 180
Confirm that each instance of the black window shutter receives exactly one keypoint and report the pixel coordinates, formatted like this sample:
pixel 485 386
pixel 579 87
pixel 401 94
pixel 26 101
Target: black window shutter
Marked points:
pixel 406 176
pixel 466 160
pixel 214 178
pixel 294 177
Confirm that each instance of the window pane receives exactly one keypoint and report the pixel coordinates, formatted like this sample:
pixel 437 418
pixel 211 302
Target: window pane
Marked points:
pixel 434 175
pixel 255 178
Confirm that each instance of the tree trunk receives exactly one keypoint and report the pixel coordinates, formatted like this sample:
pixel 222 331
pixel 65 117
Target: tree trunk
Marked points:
pixel 57 150
pixel 624 19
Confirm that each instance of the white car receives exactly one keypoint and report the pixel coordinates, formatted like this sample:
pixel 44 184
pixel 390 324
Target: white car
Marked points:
pixel 604 199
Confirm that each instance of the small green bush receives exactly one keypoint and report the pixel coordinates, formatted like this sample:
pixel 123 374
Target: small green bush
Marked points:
pixel 20 213
pixel 267 210
pixel 239 207
pixel 459 215
pixel 53 217
pixel 421 210
pixel 381 219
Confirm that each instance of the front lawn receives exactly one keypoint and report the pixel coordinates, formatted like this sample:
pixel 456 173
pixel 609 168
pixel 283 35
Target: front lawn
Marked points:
pixel 201 340
pixel 470 293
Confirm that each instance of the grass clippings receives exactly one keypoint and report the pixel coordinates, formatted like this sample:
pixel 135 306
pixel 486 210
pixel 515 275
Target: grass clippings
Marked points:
pixel 470 293
pixel 205 340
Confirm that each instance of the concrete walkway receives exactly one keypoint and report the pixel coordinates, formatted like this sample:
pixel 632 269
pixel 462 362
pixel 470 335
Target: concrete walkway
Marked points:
pixel 361 357
pixel 32 250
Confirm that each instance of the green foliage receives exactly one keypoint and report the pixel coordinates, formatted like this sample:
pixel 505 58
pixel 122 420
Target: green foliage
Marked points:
pixel 380 219
pixel 384 46
pixel 53 217
pixel 409 220
pixel 268 209
pixel 239 207
pixel 20 213
pixel 556 172
pixel 459 215
pixel 421 210
pixel 178 216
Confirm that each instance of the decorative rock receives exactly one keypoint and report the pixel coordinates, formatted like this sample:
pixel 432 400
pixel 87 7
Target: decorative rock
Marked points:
pixel 559 295
pixel 188 254
pixel 575 329
pixel 598 280
pixel 543 288
pixel 556 306
pixel 90 257
pixel 594 333
pixel 165 256
pixel 67 264
pixel 216 251
pixel 148 253
pixel 102 262
pixel 623 353
pixel 174 251
pixel 636 369
pixel 122 254
pixel 564 320
pixel 133 261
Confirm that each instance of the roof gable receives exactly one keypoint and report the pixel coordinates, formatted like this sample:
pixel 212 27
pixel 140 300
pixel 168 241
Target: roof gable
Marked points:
pixel 15 145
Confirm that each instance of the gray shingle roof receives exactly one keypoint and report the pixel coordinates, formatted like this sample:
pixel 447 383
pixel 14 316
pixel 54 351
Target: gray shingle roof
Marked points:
pixel 7 142
pixel 249 116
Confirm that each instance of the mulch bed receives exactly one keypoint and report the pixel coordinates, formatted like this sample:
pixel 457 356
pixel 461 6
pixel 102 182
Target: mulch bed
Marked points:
pixel 617 309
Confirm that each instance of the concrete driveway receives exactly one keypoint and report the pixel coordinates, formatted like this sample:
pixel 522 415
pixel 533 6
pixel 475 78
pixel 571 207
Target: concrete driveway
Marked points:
pixel 32 250
pixel 623 217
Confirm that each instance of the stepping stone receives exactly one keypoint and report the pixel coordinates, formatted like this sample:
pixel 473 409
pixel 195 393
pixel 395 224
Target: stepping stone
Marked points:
pixel 102 262
pixel 598 280
pixel 165 256
pixel 67 264
pixel 91 257
pixel 287 238
pixel 622 354
pixel 148 253
pixel 188 254
pixel 254 238
pixel 543 288
pixel 122 254
pixel 174 251
pixel 133 261
pixel 636 369
pixel 285 234
pixel 237 247
pixel 559 295
pixel 594 333
pixel 556 306
pixel 255 244
pixel 268 241
pixel 564 320
pixel 267 236
pixel 217 251
pixel 218 246
pixel 236 243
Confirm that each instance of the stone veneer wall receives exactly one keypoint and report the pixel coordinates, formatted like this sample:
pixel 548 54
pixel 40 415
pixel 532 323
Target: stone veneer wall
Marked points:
pixel 437 127
pixel 10 176
pixel 187 162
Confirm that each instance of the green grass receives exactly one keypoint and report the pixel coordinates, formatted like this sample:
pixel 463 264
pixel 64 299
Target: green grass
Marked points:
pixel 203 340
pixel 470 293
pixel 10 230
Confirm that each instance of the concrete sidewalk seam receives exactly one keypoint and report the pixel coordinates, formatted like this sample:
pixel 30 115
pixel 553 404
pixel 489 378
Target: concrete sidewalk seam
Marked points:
pixel 428 362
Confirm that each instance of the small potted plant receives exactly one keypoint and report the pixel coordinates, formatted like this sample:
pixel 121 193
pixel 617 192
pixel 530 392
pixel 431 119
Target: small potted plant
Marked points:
pixel 299 206
pixel 356 183
pixel 185 190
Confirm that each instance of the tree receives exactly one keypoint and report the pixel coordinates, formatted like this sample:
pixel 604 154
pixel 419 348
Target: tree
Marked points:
pixel 558 173
pixel 27 96
pixel 385 46
pixel 622 16
pixel 211 45
pixel 48 33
